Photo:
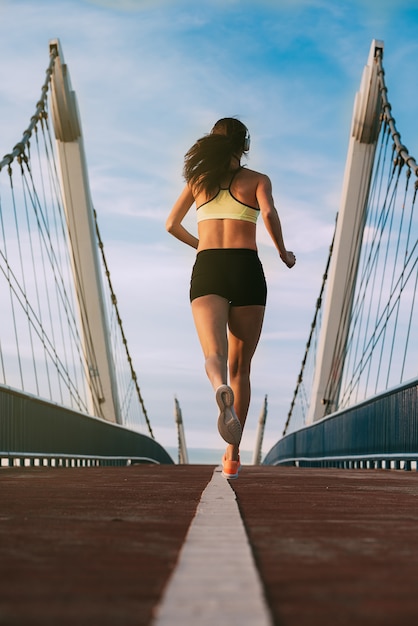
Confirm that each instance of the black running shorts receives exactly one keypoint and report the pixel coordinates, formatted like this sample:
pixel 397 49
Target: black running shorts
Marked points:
pixel 233 273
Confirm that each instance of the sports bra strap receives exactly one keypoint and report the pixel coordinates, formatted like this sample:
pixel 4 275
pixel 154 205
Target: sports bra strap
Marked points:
pixel 234 173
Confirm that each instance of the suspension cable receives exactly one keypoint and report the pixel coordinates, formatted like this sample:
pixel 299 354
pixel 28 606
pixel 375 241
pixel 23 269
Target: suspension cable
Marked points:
pixel 125 343
pixel 308 344
pixel 387 109
pixel 40 108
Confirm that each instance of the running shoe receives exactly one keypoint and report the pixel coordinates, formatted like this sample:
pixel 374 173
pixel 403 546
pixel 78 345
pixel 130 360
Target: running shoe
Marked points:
pixel 230 469
pixel 228 423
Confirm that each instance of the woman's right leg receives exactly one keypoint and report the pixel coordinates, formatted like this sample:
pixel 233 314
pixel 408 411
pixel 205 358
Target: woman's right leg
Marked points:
pixel 245 325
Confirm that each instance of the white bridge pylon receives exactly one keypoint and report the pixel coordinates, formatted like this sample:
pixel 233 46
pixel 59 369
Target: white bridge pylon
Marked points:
pixel 83 243
pixel 348 239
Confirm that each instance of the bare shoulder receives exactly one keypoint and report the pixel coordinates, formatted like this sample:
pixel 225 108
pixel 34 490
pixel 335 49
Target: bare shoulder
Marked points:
pixel 256 177
pixel 261 184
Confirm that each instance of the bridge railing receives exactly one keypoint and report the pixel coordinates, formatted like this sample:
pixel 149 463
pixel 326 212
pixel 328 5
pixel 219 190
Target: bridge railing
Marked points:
pixel 381 432
pixel 37 432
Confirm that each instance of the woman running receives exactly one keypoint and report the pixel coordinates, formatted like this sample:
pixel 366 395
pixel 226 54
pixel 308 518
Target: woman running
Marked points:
pixel 228 289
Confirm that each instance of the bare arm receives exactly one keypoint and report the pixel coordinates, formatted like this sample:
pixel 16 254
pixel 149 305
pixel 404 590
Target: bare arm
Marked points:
pixel 271 220
pixel 174 221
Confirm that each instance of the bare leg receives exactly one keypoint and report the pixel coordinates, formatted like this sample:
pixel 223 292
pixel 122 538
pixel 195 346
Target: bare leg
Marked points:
pixel 245 325
pixel 210 315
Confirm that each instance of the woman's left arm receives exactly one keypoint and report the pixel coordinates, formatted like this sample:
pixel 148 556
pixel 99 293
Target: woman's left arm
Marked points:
pixel 174 221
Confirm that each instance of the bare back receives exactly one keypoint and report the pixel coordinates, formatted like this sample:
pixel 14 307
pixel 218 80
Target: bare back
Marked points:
pixel 248 187
pixel 231 233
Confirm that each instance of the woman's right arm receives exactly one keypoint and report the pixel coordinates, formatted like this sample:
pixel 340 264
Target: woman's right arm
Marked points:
pixel 174 221
pixel 271 219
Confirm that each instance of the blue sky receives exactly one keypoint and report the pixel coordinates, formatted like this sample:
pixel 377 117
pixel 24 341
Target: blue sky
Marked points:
pixel 151 76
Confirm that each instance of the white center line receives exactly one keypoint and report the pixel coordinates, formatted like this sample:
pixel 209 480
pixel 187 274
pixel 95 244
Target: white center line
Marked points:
pixel 215 580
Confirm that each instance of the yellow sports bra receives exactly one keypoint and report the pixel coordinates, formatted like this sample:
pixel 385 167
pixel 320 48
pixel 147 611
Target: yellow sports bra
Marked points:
pixel 225 206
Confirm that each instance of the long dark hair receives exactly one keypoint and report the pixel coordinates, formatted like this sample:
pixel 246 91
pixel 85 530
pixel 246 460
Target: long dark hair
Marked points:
pixel 209 159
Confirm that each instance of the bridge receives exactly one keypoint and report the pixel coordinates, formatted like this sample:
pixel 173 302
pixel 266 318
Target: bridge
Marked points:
pixel 98 524
pixel 69 392
pixel 355 401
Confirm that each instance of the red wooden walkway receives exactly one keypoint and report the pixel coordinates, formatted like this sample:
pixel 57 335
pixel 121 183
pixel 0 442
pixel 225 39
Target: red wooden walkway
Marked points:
pixel 97 545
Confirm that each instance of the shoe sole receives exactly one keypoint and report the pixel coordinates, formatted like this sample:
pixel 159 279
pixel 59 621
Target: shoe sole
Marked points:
pixel 230 476
pixel 229 426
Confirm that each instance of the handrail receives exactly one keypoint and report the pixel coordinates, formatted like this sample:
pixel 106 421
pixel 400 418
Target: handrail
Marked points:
pixel 381 428
pixel 32 428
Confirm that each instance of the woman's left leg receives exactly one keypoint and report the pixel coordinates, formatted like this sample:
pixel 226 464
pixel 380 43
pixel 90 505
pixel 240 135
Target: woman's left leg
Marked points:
pixel 244 329
pixel 211 315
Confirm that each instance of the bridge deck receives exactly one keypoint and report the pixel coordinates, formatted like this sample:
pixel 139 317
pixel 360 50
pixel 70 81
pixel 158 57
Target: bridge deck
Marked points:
pixel 98 545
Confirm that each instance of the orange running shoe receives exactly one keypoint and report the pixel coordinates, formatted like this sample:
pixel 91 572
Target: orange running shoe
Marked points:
pixel 230 469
